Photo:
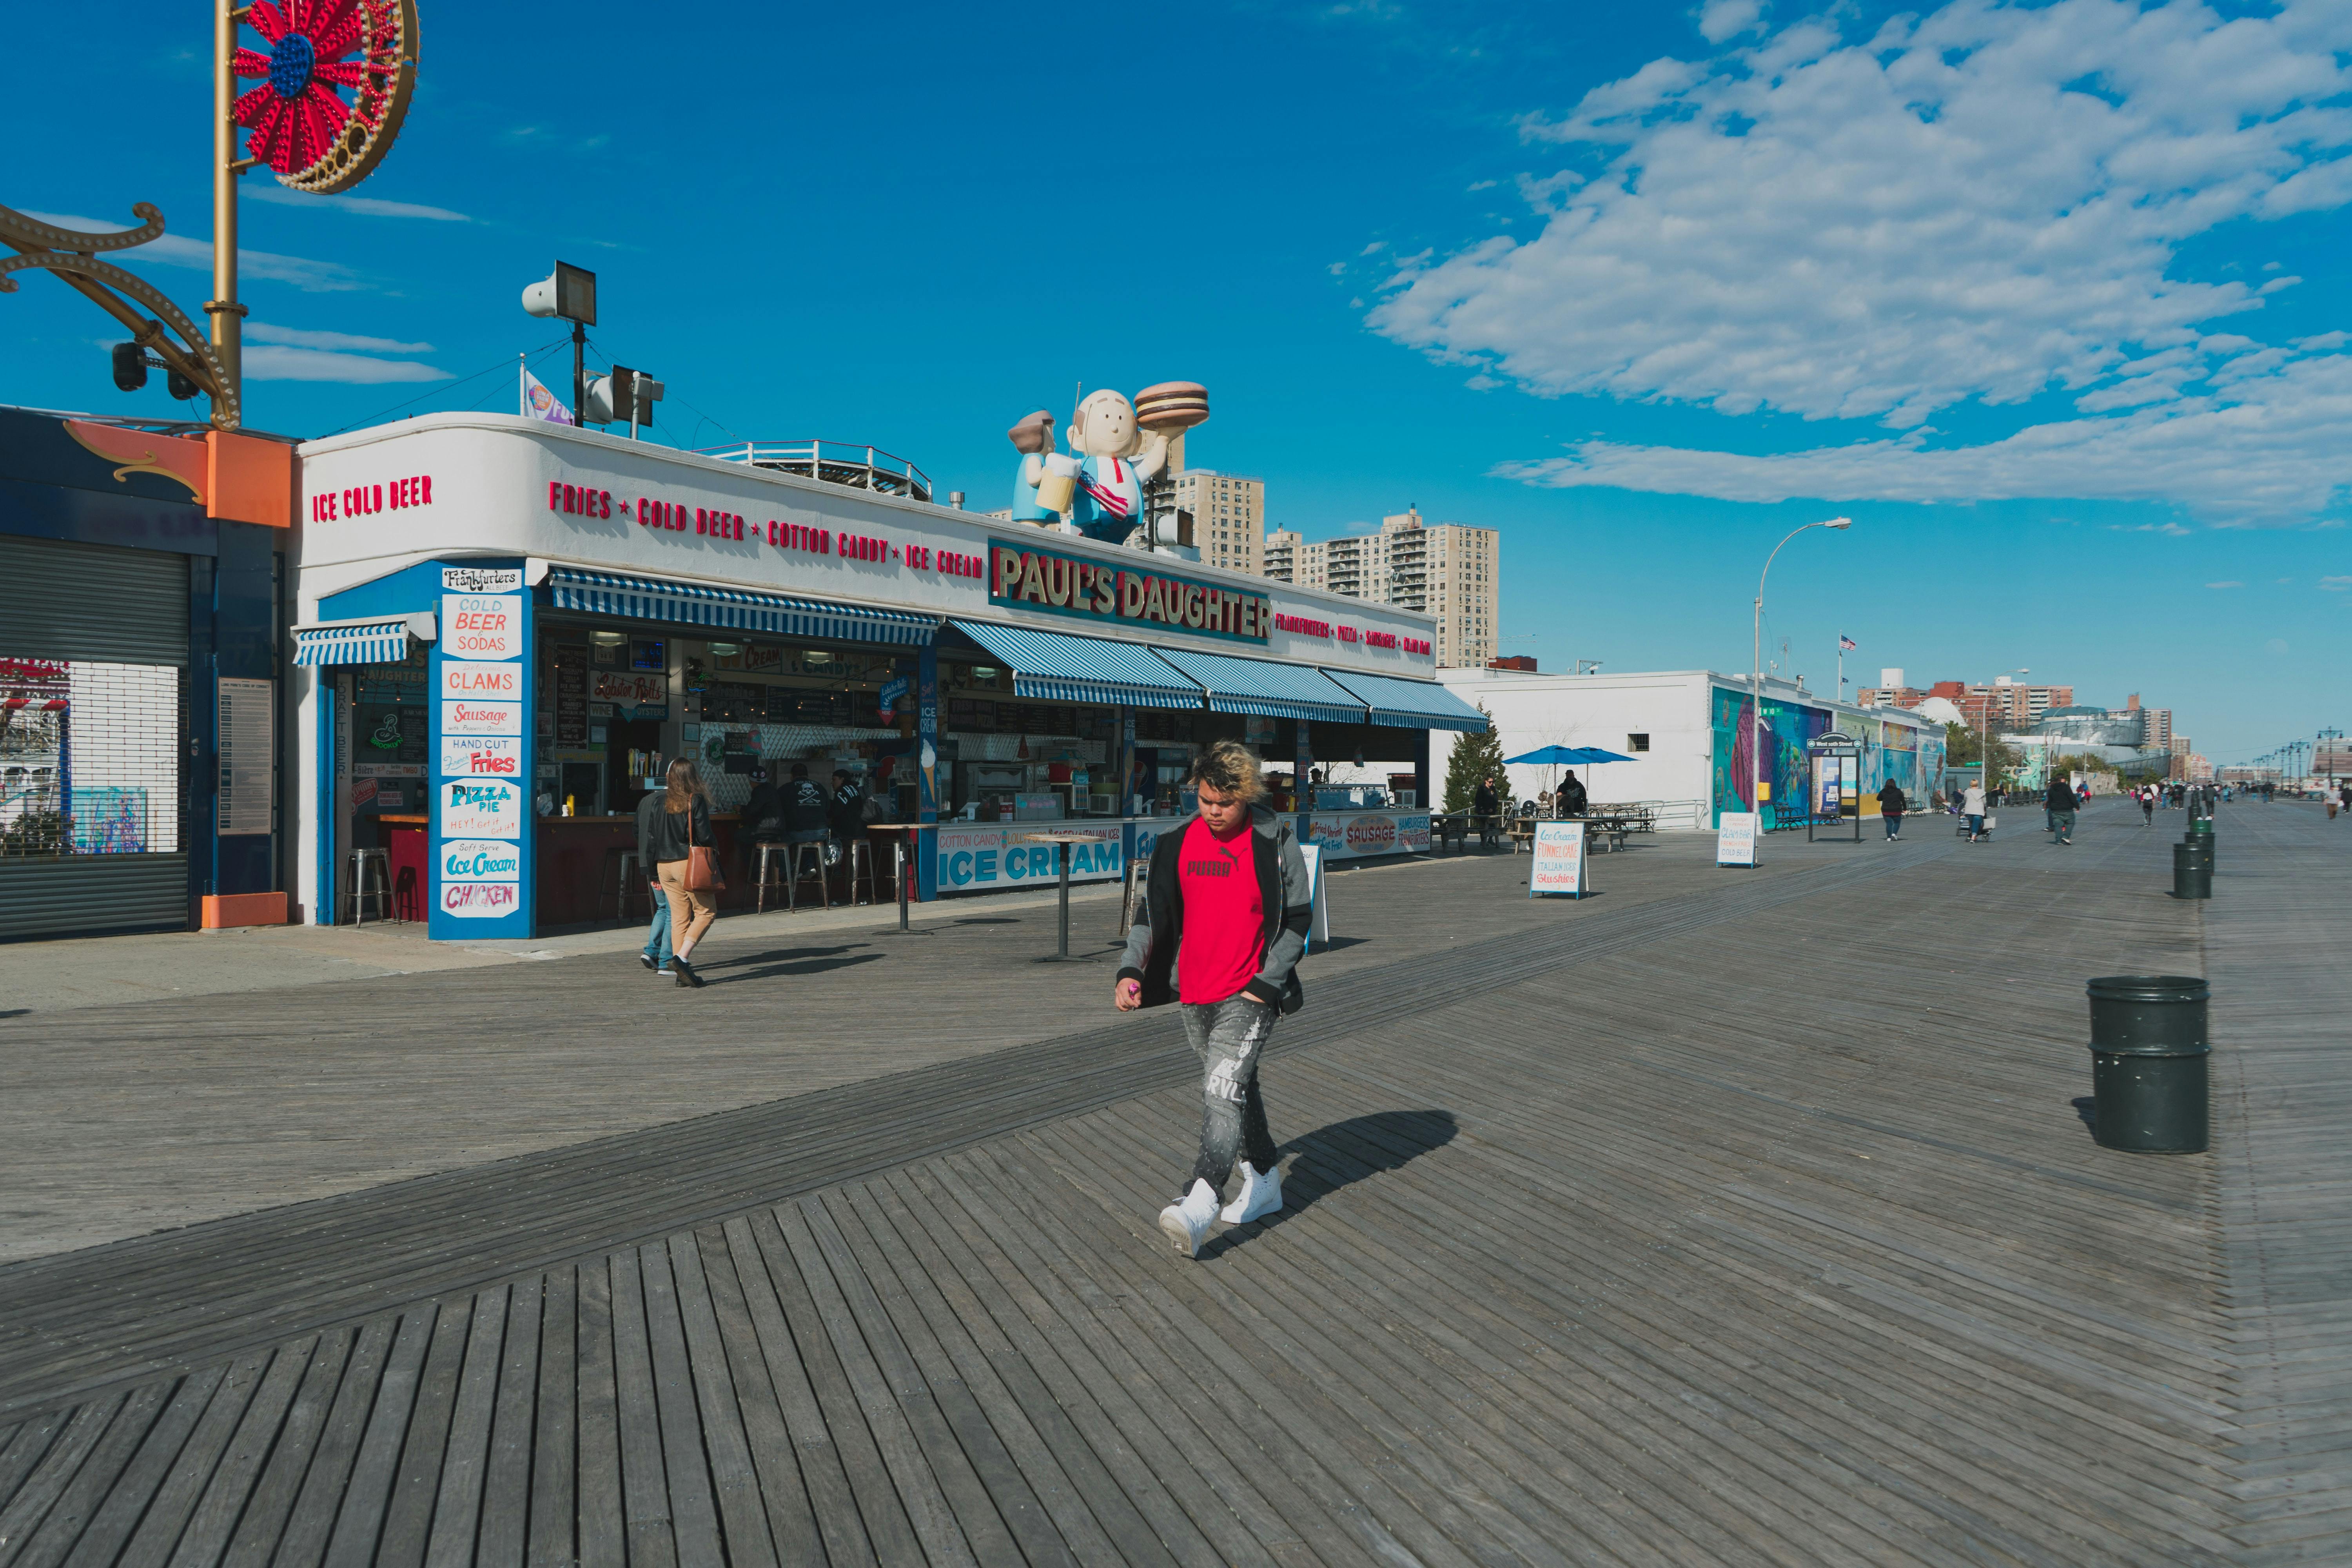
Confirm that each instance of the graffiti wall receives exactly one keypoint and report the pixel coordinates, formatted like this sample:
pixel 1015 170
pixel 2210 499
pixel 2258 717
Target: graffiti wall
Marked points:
pixel 1912 758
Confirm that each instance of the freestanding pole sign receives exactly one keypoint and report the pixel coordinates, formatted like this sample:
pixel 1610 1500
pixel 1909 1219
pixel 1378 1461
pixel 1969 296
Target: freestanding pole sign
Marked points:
pixel 1836 784
pixel 1559 860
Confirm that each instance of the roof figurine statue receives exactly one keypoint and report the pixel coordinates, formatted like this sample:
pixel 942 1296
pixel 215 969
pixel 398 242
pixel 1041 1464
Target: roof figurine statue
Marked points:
pixel 1117 447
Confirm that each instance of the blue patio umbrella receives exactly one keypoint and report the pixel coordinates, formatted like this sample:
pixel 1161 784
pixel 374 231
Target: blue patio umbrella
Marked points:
pixel 1552 757
pixel 1596 754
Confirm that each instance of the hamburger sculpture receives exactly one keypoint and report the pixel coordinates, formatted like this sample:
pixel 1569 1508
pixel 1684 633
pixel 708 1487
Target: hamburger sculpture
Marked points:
pixel 1116 449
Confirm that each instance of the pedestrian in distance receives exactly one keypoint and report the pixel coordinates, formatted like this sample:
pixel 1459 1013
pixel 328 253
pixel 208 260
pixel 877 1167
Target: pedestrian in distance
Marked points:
pixel 1573 799
pixel 1227 907
pixel 1486 806
pixel 2147 806
pixel 1891 807
pixel 679 826
pixel 1972 808
pixel 657 953
pixel 2063 806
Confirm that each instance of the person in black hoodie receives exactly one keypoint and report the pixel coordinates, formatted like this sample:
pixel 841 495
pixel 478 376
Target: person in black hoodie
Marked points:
pixel 1227 908
pixel 2061 802
pixel 665 838
pixel 1892 804
pixel 1573 799
pixel 807 811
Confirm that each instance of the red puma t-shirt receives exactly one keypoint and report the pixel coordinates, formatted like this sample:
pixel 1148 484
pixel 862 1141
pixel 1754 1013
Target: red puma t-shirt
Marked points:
pixel 1224 920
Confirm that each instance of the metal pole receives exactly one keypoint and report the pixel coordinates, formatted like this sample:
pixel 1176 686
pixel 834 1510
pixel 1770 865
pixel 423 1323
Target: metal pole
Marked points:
pixel 579 374
pixel 1065 849
pixel 902 881
pixel 226 315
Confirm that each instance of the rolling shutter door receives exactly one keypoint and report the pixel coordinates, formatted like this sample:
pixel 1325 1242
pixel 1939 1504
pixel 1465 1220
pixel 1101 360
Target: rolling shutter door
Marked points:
pixel 118 619
pixel 96 602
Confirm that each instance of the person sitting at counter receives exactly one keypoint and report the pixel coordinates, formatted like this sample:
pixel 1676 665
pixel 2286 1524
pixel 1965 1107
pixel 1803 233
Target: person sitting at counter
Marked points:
pixel 847 813
pixel 807 813
pixel 761 818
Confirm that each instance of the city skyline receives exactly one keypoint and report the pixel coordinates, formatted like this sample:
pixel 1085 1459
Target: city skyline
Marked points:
pixel 1444 293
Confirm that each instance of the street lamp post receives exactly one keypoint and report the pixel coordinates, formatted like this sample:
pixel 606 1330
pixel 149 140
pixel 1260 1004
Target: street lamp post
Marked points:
pixel 1756 671
pixel 2331 754
pixel 1984 763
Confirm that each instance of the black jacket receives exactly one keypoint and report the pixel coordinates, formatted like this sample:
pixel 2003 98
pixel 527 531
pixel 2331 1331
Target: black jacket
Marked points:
pixel 2061 796
pixel 848 806
pixel 1890 800
pixel 805 806
pixel 764 814
pixel 1282 891
pixel 662 834
pixel 1483 801
pixel 1572 797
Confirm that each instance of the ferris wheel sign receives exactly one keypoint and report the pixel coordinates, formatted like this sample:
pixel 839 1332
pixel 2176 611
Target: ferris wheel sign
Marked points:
pixel 304 129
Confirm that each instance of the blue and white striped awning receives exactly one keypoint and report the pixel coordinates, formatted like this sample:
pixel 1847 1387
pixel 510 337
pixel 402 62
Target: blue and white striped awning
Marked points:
pixel 379 639
pixel 735 609
pixel 1410 704
pixel 1263 686
pixel 1050 667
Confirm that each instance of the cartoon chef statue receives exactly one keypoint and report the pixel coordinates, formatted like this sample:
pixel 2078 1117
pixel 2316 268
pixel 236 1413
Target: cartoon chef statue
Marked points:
pixel 1117 447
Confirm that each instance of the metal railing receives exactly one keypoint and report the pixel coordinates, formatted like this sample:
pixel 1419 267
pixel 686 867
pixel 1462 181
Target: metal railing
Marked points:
pixel 835 462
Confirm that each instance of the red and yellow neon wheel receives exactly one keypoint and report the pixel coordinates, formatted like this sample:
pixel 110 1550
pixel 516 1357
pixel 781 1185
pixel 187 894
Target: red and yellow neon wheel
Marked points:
pixel 303 128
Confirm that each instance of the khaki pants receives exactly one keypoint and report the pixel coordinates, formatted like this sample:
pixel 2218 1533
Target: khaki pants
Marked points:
pixel 691 914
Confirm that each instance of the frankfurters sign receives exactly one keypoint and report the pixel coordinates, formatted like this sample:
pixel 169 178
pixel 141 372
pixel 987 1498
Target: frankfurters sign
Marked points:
pixel 1022 578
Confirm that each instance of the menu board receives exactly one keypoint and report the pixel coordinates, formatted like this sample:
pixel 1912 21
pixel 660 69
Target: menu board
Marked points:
pixel 572 696
pixel 481 799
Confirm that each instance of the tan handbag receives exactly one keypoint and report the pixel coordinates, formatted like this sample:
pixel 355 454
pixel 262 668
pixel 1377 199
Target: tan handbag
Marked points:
pixel 702 874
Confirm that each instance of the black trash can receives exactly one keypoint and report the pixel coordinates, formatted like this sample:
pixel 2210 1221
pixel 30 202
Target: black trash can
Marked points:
pixel 2148 1053
pixel 2192 873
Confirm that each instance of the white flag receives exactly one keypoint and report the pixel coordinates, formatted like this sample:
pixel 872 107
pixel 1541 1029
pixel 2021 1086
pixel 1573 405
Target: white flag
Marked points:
pixel 538 403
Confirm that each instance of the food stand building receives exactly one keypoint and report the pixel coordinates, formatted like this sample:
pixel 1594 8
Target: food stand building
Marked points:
pixel 508 626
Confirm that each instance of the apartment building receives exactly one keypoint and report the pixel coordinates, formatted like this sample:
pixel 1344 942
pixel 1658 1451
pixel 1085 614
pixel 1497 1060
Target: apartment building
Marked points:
pixel 1228 516
pixel 1449 570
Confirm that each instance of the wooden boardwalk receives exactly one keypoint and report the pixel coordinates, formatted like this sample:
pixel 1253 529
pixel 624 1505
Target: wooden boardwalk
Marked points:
pixel 1754 1222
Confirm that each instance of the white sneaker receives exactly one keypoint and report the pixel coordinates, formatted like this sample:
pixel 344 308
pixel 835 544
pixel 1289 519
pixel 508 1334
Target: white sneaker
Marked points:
pixel 1261 1196
pixel 1187 1223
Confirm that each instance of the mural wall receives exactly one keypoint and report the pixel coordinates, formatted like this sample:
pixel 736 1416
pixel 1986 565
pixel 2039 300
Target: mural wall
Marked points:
pixel 1912 758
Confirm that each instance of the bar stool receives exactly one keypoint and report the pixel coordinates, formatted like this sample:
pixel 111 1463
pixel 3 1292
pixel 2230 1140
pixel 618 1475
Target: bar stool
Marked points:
pixel 858 863
pixel 771 855
pixel 629 882
pixel 803 861
pixel 378 862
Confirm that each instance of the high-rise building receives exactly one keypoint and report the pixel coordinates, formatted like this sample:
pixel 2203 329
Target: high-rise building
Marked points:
pixel 2156 729
pixel 1449 570
pixel 1228 516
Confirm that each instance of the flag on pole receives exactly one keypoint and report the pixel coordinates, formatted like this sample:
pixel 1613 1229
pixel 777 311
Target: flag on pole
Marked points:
pixel 538 403
pixel 1846 643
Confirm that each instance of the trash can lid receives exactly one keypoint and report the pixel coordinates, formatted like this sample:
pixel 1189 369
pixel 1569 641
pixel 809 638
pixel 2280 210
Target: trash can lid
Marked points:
pixel 2149 988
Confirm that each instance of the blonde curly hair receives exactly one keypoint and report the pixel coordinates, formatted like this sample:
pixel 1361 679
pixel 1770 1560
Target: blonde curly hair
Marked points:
pixel 1229 768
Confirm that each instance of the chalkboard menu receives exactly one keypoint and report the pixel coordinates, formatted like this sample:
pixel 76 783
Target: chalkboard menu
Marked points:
pixel 572 696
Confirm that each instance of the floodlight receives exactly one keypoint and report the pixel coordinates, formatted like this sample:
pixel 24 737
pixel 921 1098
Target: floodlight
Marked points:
pixel 1839 522
pixel 568 293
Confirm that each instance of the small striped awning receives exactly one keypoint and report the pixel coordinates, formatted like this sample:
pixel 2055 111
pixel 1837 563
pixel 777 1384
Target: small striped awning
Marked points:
pixel 380 639
pixel 735 609
pixel 1410 704
pixel 1050 667
pixel 1263 686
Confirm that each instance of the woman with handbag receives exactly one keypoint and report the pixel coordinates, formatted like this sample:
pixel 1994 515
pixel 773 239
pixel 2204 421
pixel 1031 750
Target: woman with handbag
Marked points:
pixel 682 851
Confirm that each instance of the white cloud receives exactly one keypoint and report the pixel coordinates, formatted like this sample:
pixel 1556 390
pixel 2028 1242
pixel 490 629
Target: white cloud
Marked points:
pixel 1721 19
pixel 2268 447
pixel 179 251
pixel 271 363
pixel 1983 204
pixel 2334 585
pixel 364 206
pixel 297 337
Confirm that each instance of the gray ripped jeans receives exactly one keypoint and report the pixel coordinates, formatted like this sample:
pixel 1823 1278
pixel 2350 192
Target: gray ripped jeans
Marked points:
pixel 1229 1037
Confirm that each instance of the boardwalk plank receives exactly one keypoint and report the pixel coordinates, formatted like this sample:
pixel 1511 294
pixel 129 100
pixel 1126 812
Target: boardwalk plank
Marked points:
pixel 280 1478
pixel 505 1479
pixel 734 1480
pixel 555 1431
pixel 229 1483
pixel 311 1521
pixel 693 1513
pixel 153 1520
pixel 359 1521
pixel 457 1500
pixel 645 1484
pixel 783 1492
pixel 408 1515
pixel 603 1526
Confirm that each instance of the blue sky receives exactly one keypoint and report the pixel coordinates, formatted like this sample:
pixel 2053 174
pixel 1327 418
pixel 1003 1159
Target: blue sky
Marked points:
pixel 2047 299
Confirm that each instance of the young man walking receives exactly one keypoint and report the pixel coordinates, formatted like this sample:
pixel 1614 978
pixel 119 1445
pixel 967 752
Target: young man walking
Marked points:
pixel 1227 907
